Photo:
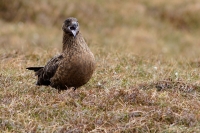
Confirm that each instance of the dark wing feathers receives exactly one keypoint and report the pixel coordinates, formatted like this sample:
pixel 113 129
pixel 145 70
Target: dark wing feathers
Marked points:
pixel 47 72
pixel 51 67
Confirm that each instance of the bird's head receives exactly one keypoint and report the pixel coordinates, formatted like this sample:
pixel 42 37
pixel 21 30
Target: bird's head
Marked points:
pixel 71 26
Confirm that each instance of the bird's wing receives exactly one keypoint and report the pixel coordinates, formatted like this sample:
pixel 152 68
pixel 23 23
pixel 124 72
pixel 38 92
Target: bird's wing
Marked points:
pixel 46 73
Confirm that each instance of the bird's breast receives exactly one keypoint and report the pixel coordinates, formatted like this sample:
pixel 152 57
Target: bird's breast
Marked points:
pixel 77 69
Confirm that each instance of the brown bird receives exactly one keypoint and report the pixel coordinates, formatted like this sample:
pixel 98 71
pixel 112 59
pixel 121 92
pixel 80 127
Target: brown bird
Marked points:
pixel 73 67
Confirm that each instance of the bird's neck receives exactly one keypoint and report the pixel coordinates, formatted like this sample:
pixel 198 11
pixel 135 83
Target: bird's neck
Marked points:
pixel 71 42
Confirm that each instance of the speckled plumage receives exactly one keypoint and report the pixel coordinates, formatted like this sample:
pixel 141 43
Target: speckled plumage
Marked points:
pixel 73 67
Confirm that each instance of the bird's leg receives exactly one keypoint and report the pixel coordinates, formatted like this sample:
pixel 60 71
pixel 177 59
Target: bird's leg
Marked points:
pixel 59 90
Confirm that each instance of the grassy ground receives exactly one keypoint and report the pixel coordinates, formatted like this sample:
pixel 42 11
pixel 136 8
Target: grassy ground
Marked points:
pixel 147 75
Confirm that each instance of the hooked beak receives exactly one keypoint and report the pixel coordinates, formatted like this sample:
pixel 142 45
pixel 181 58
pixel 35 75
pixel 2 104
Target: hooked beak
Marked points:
pixel 74 32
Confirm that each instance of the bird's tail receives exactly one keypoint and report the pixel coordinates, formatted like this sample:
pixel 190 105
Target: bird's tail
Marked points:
pixel 35 69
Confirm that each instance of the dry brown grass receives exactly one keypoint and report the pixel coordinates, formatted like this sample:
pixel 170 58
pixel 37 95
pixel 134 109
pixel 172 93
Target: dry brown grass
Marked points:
pixel 147 76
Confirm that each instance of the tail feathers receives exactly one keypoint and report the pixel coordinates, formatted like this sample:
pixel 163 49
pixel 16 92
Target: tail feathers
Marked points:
pixel 35 69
